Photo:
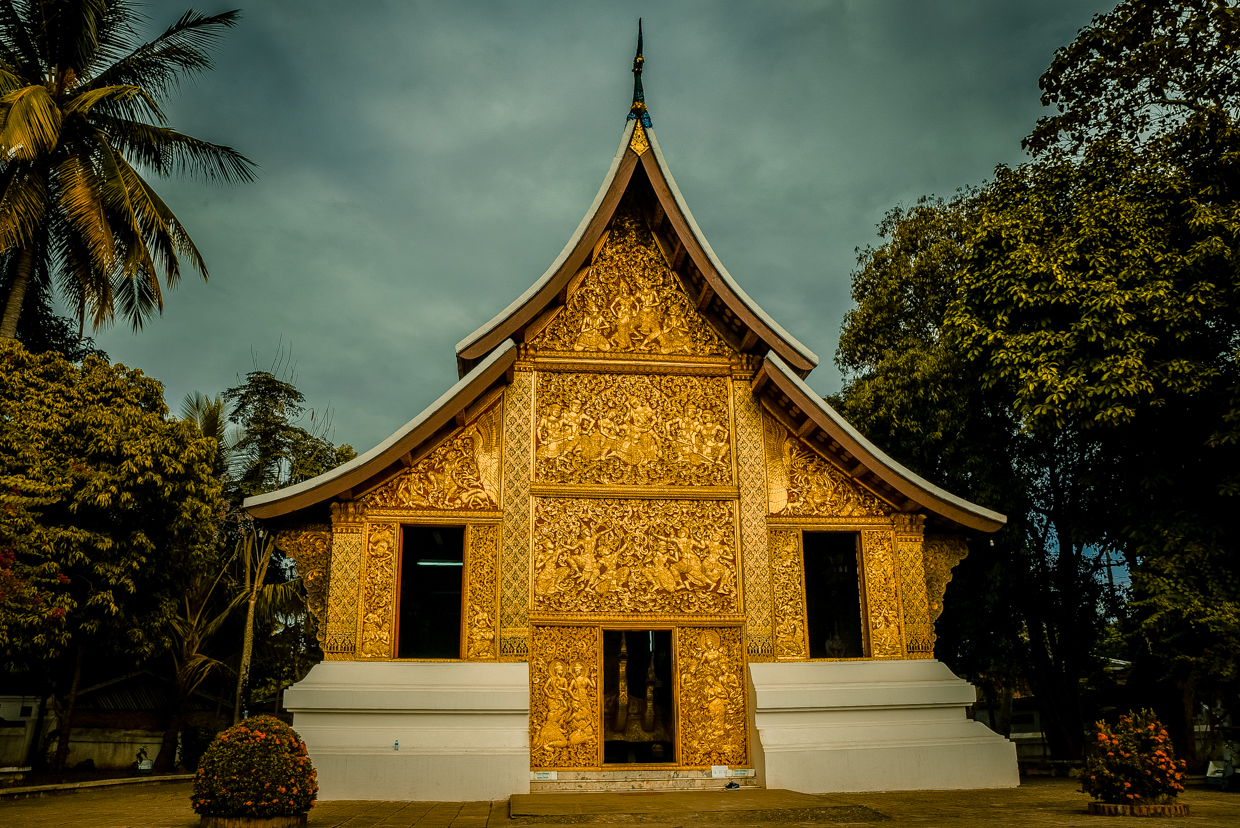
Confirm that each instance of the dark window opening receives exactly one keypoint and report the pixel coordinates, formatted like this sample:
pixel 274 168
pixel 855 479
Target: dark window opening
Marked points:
pixel 638 702
pixel 432 561
pixel 832 595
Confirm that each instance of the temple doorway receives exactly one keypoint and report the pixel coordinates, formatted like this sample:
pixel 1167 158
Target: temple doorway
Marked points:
pixel 639 703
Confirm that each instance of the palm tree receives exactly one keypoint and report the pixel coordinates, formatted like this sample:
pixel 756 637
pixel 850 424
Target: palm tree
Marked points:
pixel 80 114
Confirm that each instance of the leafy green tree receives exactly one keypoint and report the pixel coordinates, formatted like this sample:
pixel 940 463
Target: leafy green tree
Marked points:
pixel 80 111
pixel 118 507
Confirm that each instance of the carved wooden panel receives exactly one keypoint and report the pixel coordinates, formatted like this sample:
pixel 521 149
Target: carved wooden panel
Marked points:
pixel 713 724
pixel 801 482
pixel 379 591
pixel 564 698
pixel 918 629
pixel 941 553
pixel 482 592
pixel 514 570
pixel 615 556
pixel 461 473
pixel 630 301
pixel 342 593
pixel 788 580
pixel 756 566
pixel 633 429
pixel 882 595
pixel 310 549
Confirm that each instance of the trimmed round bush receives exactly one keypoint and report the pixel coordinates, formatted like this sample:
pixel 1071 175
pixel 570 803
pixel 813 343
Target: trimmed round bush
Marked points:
pixel 1132 764
pixel 256 768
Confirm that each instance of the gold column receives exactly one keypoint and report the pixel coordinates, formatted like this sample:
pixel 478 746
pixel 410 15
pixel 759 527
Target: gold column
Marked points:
pixel 514 570
pixel 882 594
pixel 918 630
pixel 788 589
pixel 482 591
pixel 345 572
pixel 377 615
pixel 755 553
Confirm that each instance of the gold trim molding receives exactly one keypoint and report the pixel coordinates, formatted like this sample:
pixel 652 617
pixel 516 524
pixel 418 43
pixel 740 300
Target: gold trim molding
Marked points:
pixel 637 492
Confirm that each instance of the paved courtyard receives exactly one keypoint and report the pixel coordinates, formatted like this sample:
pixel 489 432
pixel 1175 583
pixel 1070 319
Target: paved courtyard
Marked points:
pixel 1053 802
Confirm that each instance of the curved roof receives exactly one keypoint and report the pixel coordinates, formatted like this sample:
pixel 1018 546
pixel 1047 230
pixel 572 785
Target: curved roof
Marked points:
pixel 407 438
pixel 761 331
pixel 823 422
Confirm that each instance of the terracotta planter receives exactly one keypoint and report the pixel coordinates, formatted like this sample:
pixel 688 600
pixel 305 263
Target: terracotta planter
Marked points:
pixel 1104 809
pixel 293 821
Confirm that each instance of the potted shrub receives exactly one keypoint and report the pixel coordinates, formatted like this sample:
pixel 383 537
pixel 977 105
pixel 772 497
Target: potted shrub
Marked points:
pixel 1132 770
pixel 255 775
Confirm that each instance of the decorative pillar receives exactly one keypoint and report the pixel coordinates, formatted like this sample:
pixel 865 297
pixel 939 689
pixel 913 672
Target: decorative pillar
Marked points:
pixel 755 553
pixel 514 569
pixel 345 570
pixel 481 591
pixel 377 615
pixel 788 590
pixel 882 594
pixel 918 629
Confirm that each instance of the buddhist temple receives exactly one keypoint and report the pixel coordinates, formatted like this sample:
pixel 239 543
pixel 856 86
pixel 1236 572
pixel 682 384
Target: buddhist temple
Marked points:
pixel 631 548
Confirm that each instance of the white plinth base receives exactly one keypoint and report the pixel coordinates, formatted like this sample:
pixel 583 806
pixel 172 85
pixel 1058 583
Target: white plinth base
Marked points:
pixel 463 729
pixel 873 726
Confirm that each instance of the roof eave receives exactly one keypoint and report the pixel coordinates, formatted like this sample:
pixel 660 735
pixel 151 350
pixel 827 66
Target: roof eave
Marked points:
pixel 406 439
pixel 943 503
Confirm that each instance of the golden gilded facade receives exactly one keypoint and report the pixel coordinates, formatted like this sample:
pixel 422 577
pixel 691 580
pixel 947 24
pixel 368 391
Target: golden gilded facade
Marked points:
pixel 627 474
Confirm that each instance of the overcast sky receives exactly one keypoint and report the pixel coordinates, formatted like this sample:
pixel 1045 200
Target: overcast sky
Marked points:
pixel 423 163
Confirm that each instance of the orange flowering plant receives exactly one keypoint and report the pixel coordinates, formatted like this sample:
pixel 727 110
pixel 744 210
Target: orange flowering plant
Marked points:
pixel 256 768
pixel 1132 764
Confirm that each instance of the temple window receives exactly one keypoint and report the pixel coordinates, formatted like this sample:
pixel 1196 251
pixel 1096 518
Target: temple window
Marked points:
pixel 429 620
pixel 833 594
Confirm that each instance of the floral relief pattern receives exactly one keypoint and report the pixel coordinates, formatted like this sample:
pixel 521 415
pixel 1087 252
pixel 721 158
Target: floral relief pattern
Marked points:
pixel 633 429
pixel 882 595
pixel 802 483
pixel 380 584
pixel 788 577
pixel 941 553
pixel 630 301
pixel 462 473
pixel 634 556
pixel 482 591
pixel 564 711
pixel 713 723
pixel 310 549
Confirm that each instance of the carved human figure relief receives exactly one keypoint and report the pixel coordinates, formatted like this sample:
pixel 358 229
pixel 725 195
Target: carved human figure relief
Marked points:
pixel 713 722
pixel 633 430
pixel 624 556
pixel 630 301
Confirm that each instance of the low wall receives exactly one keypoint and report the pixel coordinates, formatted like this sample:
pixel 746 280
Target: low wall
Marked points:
pixel 873 726
pixel 462 728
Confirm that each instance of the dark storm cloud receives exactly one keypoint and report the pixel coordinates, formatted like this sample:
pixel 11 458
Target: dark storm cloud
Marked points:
pixel 423 163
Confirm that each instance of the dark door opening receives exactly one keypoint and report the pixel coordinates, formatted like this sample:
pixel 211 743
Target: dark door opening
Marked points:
pixel 431 563
pixel 639 705
pixel 833 595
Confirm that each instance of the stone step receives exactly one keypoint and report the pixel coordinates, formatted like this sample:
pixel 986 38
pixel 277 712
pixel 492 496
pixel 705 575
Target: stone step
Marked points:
pixel 637 780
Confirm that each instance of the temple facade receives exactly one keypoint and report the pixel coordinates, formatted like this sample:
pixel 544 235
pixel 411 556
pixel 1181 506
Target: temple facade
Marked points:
pixel 630 548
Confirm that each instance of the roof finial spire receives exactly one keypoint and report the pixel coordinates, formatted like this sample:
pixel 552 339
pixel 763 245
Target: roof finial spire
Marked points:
pixel 638 110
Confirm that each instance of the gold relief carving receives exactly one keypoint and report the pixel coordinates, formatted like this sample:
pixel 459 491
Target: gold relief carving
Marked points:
pixel 514 568
pixel 755 556
pixel 564 701
pixel 310 549
pixel 342 592
pixel 632 429
pixel 482 591
pixel 380 584
pixel 347 516
pixel 788 577
pixel 918 629
pixel 462 473
pixel 803 483
pixel 714 729
pixel 882 595
pixel 634 556
pixel 638 142
pixel 630 301
pixel 941 553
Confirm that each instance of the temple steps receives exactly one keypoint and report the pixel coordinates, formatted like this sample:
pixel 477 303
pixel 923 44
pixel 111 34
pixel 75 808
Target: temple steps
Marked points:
pixel 636 780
